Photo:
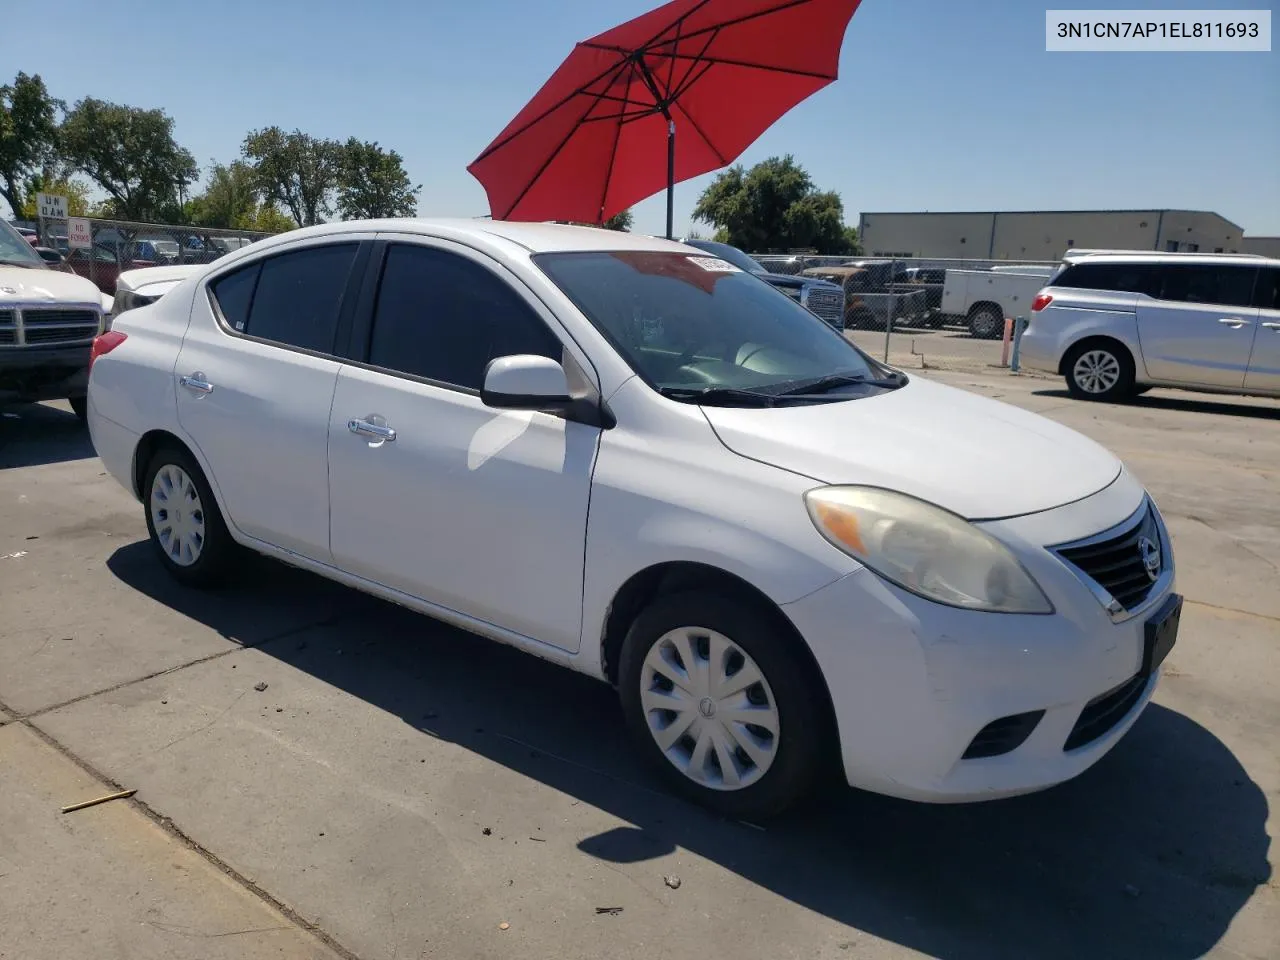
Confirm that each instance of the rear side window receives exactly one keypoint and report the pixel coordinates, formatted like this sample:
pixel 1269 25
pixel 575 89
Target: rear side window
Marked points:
pixel 1119 277
pixel 299 296
pixel 443 317
pixel 233 294
pixel 1225 284
pixel 1267 292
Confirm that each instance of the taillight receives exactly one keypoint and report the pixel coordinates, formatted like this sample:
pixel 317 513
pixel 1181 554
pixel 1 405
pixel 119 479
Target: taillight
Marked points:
pixel 1040 302
pixel 104 343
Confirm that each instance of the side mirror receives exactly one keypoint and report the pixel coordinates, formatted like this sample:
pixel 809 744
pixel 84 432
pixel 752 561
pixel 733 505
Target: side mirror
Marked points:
pixel 525 382
pixel 49 255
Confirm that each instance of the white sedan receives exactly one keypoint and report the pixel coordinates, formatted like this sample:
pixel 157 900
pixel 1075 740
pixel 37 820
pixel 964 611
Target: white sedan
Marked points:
pixel 640 462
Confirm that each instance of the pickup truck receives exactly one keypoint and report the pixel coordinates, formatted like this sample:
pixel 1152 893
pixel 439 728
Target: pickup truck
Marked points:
pixel 871 295
pixel 48 319
pixel 981 299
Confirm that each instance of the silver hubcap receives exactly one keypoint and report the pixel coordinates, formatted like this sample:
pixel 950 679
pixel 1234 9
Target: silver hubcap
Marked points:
pixel 177 515
pixel 1097 371
pixel 986 322
pixel 709 708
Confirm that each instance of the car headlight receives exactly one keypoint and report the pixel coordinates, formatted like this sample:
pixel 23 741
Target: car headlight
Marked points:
pixel 924 549
pixel 129 300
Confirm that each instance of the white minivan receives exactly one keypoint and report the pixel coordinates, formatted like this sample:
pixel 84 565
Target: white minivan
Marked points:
pixel 639 461
pixel 1116 324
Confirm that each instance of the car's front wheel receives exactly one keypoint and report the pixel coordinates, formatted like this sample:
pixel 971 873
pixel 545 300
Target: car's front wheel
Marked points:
pixel 719 699
pixel 184 521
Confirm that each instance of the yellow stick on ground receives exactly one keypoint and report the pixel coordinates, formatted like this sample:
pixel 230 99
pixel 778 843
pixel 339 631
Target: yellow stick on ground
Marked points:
pixel 90 803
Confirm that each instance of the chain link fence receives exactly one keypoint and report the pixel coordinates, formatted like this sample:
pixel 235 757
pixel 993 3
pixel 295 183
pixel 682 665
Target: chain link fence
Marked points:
pixel 923 313
pixel 114 246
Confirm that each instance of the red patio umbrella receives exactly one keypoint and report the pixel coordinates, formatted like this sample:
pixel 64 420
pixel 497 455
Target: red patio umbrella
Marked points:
pixel 589 144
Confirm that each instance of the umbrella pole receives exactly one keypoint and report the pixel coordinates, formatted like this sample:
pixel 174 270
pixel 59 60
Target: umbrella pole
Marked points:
pixel 671 176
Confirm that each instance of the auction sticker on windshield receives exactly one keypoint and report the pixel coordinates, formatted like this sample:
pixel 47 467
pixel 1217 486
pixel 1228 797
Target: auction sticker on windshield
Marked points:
pixel 714 265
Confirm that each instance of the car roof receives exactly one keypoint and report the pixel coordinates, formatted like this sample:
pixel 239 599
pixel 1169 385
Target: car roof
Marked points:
pixel 534 237
pixel 1155 256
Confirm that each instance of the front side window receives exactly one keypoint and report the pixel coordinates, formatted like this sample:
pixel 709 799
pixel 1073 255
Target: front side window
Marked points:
pixel 1226 284
pixel 443 317
pixel 687 323
pixel 296 298
pixel 1266 293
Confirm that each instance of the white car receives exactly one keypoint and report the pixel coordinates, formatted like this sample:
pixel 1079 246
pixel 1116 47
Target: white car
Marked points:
pixel 1117 324
pixel 146 285
pixel 640 462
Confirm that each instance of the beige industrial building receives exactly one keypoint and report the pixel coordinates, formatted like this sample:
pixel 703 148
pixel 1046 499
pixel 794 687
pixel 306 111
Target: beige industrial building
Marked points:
pixel 1266 246
pixel 1044 234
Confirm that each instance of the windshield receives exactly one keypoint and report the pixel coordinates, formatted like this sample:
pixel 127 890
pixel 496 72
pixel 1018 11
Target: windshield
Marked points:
pixel 15 250
pixel 689 325
pixel 735 256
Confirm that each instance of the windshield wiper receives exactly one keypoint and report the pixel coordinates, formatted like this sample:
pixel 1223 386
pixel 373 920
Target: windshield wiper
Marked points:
pixel 832 381
pixel 720 396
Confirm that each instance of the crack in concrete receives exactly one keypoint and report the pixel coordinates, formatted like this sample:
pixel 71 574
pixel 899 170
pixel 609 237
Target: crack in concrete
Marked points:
pixel 173 830
pixel 284 634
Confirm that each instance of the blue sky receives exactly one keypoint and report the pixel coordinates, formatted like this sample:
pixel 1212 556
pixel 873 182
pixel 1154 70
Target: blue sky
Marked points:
pixel 941 105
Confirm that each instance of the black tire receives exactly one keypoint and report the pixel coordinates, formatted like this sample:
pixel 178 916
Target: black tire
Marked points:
pixel 218 550
pixel 801 740
pixel 1110 359
pixel 986 323
pixel 80 407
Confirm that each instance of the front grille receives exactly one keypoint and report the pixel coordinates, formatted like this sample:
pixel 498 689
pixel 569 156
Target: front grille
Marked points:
pixel 41 316
pixel 828 304
pixel 60 334
pixel 1103 712
pixel 1002 736
pixel 1118 564
pixel 40 325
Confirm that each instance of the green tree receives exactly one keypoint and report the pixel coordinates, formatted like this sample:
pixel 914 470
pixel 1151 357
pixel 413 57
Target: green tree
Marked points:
pixel 295 171
pixel 268 219
pixel 28 134
pixel 79 201
pixel 620 221
pixel 229 199
pixel 131 154
pixel 372 183
pixel 774 206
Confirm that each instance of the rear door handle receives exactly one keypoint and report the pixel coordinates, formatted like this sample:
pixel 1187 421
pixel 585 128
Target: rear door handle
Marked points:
pixel 1272 326
pixel 1234 322
pixel 376 431
pixel 196 382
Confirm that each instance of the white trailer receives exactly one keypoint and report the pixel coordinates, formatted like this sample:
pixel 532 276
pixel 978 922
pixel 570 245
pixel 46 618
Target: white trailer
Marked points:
pixel 981 299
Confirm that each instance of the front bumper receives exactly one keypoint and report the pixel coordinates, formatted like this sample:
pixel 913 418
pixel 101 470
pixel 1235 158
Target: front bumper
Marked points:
pixel 44 373
pixel 913 682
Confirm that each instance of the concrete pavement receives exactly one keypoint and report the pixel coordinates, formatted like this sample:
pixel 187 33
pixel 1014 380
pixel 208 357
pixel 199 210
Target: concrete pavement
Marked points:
pixel 406 789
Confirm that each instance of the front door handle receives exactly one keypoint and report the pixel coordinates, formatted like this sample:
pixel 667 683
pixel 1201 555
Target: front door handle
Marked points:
pixel 196 382
pixel 1234 323
pixel 1272 326
pixel 375 431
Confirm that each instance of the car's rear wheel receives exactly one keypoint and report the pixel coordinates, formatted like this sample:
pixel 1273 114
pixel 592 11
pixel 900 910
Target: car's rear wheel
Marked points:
pixel 1099 370
pixel 184 521
pixel 718 698
pixel 986 323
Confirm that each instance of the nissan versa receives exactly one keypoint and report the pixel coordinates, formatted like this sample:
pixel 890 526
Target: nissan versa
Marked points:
pixel 636 460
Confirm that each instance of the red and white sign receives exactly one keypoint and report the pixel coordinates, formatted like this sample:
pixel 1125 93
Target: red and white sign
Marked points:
pixel 78 233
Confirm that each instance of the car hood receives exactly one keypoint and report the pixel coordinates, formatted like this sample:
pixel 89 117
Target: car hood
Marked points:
pixel 794 282
pixel 976 457
pixel 27 284
pixel 135 279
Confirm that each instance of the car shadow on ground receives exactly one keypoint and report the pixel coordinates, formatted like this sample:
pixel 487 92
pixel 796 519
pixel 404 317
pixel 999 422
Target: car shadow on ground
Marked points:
pixel 1191 403
pixel 1151 853
pixel 34 434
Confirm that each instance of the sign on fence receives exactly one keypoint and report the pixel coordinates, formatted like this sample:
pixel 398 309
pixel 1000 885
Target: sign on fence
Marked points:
pixel 79 233
pixel 52 206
